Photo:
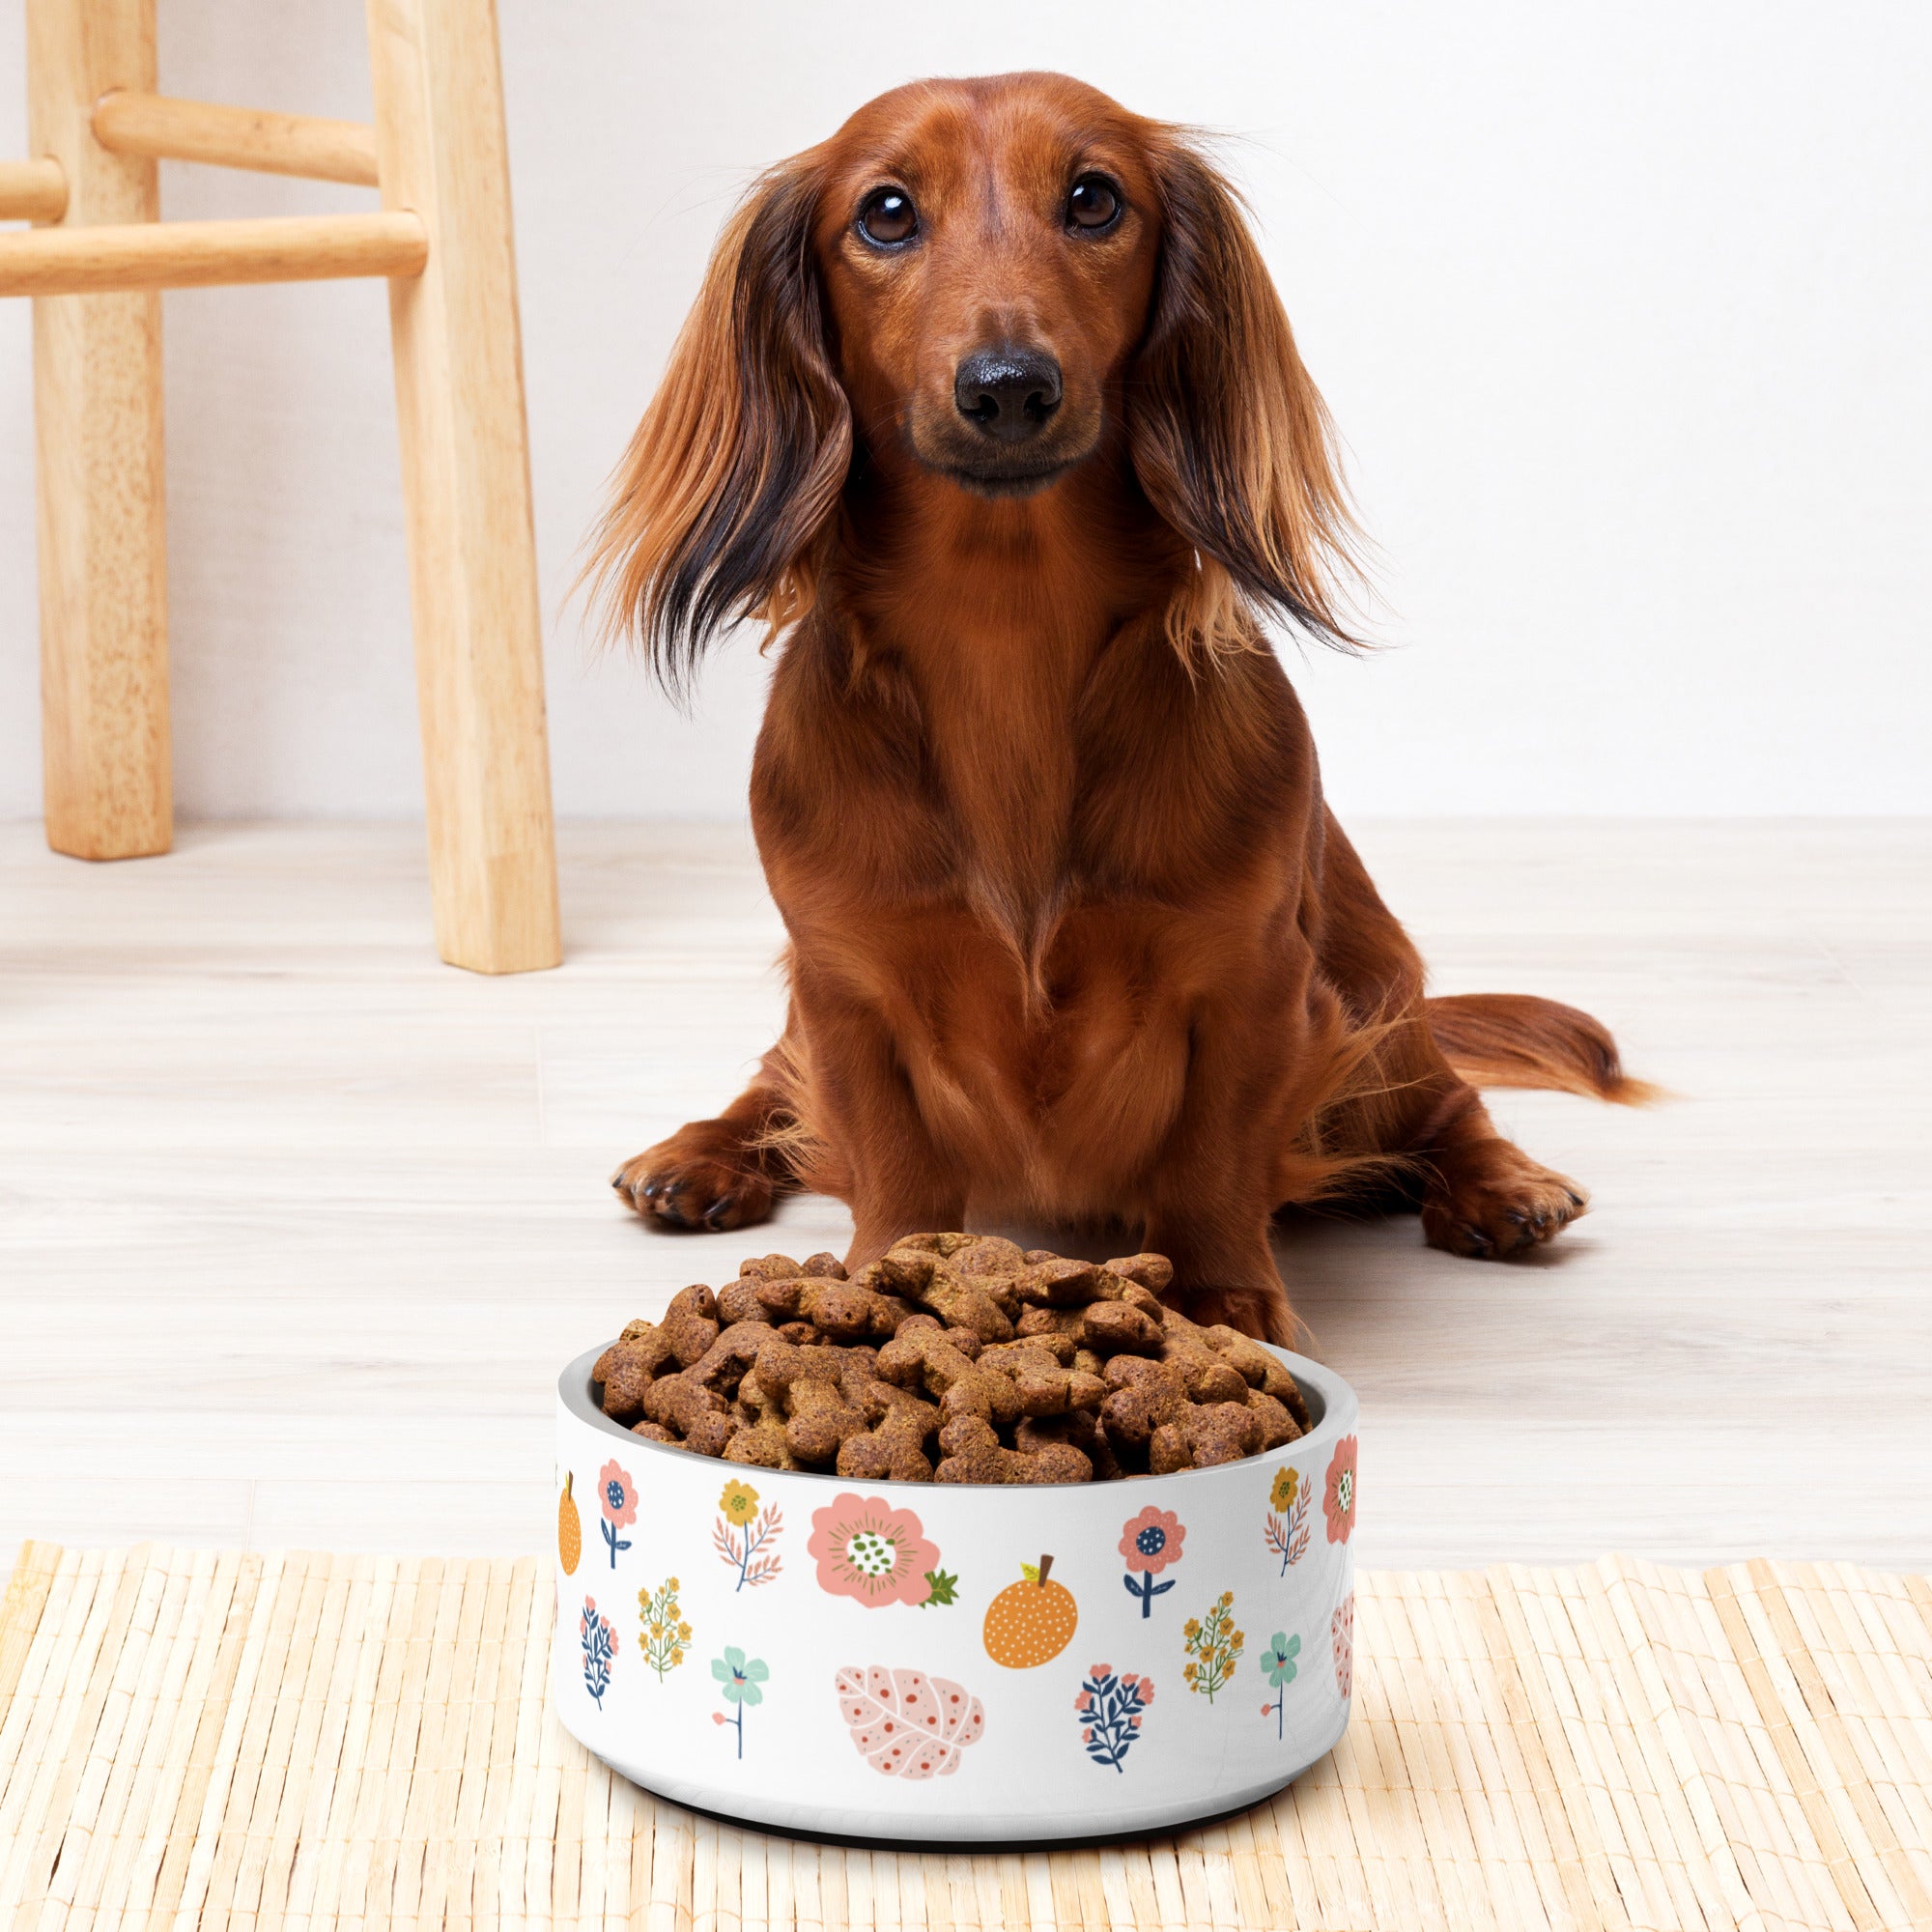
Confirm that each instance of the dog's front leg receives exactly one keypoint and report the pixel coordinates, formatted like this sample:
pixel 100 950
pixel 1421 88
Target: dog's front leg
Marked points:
pixel 1223 1267
pixel 865 1105
pixel 1209 1198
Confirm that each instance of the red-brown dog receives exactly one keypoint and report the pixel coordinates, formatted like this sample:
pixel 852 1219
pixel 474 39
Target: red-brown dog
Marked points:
pixel 989 406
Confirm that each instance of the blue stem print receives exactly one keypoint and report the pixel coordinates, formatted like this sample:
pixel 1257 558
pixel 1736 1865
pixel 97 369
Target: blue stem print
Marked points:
pixel 1278 1667
pixel 599 1647
pixel 618 1499
pixel 1151 1541
pixel 1109 1709
pixel 740 1681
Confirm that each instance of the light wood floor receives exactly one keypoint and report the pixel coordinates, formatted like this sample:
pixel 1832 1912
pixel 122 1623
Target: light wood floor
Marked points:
pixel 297 1225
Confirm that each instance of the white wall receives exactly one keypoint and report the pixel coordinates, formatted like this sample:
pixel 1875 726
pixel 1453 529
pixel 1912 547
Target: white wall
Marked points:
pixel 1622 312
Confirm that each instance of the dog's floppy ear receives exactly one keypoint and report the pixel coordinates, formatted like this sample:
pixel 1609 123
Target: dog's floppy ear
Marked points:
pixel 718 504
pixel 1231 439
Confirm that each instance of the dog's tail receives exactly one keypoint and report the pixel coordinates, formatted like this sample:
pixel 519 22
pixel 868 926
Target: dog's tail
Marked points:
pixel 1515 1039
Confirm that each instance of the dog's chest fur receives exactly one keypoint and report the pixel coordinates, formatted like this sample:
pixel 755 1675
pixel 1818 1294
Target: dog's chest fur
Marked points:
pixel 1024 879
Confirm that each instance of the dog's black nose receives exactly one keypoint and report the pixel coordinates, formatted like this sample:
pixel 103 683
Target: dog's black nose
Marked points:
pixel 1009 393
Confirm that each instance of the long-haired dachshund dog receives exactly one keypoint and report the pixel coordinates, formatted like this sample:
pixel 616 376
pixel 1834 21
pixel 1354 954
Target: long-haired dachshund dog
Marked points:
pixel 989 411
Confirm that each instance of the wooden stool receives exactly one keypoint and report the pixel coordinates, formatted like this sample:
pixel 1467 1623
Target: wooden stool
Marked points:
pixel 443 238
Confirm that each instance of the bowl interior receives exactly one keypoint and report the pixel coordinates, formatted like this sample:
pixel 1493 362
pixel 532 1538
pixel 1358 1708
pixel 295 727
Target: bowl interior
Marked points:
pixel 1331 1410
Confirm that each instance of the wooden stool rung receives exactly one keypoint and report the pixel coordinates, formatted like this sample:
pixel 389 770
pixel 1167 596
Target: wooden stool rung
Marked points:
pixel 32 190
pixel 127 121
pixel 443 238
pixel 200 254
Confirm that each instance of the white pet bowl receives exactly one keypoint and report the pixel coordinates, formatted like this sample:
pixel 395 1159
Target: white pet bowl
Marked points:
pixel 799 1681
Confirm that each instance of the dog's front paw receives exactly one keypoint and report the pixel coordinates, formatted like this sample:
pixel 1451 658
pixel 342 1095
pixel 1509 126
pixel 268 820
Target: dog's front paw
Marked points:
pixel 1261 1311
pixel 1491 1201
pixel 694 1180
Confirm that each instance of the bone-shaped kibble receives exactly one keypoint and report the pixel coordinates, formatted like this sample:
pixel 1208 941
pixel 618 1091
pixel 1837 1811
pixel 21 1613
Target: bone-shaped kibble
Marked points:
pixel 1208 1377
pixel 989 1257
pixel 769 1267
pixel 627 1368
pixel 1279 1426
pixel 1154 1272
pixel 760 1444
pixel 1044 1386
pixel 1067 1284
pixel 1205 1435
pixel 1118 1327
pixel 724 1365
pixel 1259 1368
pixel 1045 1339
pixel 844 1311
pixel 974 1454
pixel 699 1414
pixel 818 1417
pixel 690 1323
pixel 1079 1429
pixel 1144 1396
pixel 921 1358
pixel 922 1277
pixel 1030 1367
pixel 738 1301
pixel 941 1246
pixel 894 1448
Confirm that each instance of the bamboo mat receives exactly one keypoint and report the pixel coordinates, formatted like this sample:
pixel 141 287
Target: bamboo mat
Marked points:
pixel 192 1737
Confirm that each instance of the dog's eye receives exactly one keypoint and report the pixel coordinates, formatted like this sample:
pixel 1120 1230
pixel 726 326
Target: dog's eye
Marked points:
pixel 888 217
pixel 1095 202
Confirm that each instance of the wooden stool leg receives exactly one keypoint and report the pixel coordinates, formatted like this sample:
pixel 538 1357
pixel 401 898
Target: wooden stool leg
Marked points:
pixel 467 483
pixel 97 434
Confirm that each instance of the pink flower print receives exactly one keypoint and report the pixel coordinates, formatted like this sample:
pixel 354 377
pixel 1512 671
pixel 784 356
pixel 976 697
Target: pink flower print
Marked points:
pixel 599 1636
pixel 1340 1501
pixel 1342 1631
pixel 617 1496
pixel 871 1552
pixel 1110 1710
pixel 1151 1541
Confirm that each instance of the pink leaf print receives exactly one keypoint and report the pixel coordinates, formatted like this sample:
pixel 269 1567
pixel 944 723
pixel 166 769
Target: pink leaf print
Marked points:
pixel 906 1723
pixel 1342 1631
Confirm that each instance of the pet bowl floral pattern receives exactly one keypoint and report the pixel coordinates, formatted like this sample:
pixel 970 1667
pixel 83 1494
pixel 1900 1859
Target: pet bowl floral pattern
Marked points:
pixel 907 1724
pixel 1110 1708
pixel 1339 1503
pixel 617 1498
pixel 665 1636
pixel 599 1637
pixel 1342 1631
pixel 871 1552
pixel 1278 1667
pixel 1214 1644
pixel 698 1547
pixel 739 1680
pixel 1287 1528
pixel 1151 1541
pixel 744 1534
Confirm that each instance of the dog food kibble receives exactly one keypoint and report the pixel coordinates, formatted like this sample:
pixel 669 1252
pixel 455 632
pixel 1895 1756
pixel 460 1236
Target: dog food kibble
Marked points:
pixel 953 1358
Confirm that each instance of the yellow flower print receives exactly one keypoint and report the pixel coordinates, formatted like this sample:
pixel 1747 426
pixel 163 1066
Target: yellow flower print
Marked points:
pixel 739 1504
pixel 665 1631
pixel 1281 1498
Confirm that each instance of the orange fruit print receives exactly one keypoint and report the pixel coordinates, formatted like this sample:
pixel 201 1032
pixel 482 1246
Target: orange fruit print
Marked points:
pixel 569 1531
pixel 1030 1622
